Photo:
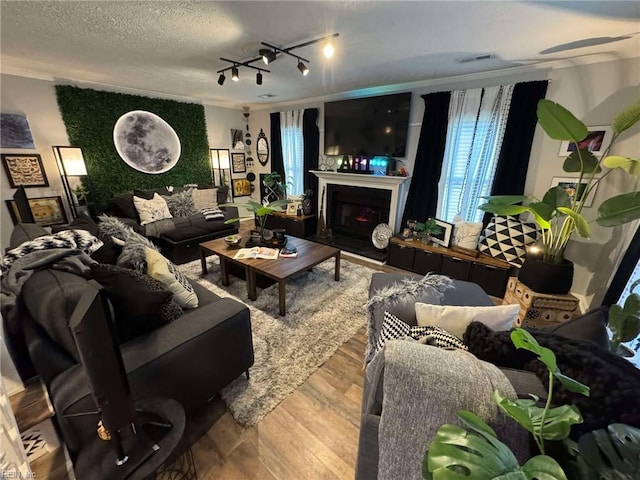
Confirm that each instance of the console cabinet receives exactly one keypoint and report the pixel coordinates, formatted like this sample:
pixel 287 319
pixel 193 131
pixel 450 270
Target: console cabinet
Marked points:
pixel 490 273
pixel 298 226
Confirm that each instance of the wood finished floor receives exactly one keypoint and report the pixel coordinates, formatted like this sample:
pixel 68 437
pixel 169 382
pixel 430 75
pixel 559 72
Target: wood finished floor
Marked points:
pixel 312 434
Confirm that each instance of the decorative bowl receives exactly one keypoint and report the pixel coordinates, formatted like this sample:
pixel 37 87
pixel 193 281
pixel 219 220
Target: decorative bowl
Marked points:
pixel 232 240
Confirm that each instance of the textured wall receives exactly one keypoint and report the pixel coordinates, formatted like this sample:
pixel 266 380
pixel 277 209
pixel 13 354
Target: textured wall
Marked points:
pixel 90 115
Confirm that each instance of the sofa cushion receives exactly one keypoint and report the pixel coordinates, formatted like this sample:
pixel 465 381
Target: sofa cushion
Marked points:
pixel 140 303
pixel 23 232
pixel 455 319
pixel 506 238
pixel 121 205
pixel 194 226
pixel 394 328
pixel 151 210
pixel 613 381
pixel 133 255
pixel 82 222
pixel 204 198
pixel 591 326
pixel 168 274
pixel 148 194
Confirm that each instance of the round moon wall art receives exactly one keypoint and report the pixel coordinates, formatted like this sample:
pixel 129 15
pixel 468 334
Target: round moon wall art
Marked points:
pixel 146 142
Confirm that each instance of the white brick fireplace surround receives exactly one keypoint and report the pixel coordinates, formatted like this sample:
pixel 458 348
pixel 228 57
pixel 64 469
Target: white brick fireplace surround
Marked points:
pixel 397 185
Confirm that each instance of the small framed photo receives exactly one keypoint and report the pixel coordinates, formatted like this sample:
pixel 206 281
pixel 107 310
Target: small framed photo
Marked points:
pixel 573 187
pixel 25 170
pixel 445 236
pixel 292 208
pixel 596 141
pixel 238 163
pixel 46 211
pixel 241 187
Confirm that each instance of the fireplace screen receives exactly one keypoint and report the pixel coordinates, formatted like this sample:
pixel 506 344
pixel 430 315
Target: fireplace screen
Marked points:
pixel 356 211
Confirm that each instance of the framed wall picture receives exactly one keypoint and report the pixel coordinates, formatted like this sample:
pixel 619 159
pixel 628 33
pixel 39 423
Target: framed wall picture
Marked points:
pixel 573 187
pixel 25 170
pixel 597 141
pixel 15 131
pixel 46 211
pixel 236 139
pixel 446 234
pixel 241 187
pixel 238 163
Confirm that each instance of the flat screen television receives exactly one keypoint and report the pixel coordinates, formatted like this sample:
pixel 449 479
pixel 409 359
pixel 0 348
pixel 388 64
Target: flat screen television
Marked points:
pixel 367 126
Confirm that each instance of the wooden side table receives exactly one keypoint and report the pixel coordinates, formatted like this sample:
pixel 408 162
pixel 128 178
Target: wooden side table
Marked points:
pixel 539 309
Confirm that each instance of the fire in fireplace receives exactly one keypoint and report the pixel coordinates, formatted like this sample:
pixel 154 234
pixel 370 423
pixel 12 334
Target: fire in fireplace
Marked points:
pixel 356 211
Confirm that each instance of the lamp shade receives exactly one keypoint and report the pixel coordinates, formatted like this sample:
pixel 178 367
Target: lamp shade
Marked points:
pixel 223 155
pixel 73 161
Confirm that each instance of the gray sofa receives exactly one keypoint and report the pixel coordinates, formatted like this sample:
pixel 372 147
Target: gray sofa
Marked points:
pixel 411 389
pixel 190 359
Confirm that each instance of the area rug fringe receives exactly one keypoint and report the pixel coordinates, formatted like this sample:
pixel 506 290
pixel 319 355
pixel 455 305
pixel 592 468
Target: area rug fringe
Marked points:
pixel 321 316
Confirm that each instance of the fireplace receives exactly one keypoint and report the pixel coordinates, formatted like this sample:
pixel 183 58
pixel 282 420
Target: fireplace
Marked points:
pixel 356 211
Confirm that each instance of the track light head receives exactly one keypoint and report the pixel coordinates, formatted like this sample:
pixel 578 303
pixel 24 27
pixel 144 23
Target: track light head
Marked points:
pixel 234 74
pixel 267 55
pixel 221 79
pixel 304 70
pixel 259 78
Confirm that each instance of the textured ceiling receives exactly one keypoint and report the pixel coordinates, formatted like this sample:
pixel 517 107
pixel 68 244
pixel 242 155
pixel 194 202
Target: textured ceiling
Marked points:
pixel 172 48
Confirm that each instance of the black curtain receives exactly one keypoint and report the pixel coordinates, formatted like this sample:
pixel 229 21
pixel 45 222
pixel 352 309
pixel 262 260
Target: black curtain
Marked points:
pixel 275 149
pixel 513 161
pixel 422 199
pixel 628 264
pixel 311 137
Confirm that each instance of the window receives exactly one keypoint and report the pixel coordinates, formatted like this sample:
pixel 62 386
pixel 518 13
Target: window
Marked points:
pixel 292 150
pixel 477 119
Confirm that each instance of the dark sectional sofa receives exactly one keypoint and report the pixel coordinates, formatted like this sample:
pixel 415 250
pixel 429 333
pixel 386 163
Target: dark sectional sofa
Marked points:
pixel 177 237
pixel 189 360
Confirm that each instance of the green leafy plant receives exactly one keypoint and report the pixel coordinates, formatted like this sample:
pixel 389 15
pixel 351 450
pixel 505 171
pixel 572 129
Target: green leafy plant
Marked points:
pixel 275 185
pixel 430 227
pixel 259 211
pixel 624 320
pixel 557 214
pixel 477 454
pixel 81 192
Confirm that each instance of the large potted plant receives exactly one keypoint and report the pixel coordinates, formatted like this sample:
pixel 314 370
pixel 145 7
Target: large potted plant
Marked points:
pixel 559 215
pixel 260 212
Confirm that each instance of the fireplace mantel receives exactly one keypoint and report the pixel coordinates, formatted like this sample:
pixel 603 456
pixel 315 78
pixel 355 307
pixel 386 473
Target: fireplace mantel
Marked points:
pixel 397 185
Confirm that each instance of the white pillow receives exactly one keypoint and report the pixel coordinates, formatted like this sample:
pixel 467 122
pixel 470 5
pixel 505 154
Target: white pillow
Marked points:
pixel 455 319
pixel 168 274
pixel 204 198
pixel 151 210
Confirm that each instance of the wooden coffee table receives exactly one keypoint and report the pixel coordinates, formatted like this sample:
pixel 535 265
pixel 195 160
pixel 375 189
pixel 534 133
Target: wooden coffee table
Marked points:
pixel 281 269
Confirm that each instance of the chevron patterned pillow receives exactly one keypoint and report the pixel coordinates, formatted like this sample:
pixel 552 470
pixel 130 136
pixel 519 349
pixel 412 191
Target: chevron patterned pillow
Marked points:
pixel 506 238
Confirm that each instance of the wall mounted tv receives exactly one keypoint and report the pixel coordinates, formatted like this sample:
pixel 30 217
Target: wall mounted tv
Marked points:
pixel 367 126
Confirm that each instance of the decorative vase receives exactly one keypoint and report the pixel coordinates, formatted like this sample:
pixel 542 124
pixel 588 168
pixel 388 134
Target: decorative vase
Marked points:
pixel 307 206
pixel 544 277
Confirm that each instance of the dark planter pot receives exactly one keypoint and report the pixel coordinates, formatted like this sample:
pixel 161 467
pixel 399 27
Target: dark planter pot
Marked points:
pixel 222 194
pixel 543 277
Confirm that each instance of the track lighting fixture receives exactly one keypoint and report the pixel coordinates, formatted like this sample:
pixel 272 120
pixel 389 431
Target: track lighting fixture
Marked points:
pixel 303 68
pixel 270 54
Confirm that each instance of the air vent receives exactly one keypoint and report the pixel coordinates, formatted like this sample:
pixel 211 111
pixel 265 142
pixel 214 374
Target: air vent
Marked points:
pixel 475 58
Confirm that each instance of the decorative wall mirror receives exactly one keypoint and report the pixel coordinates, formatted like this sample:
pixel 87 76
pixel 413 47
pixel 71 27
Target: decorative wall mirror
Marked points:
pixel 262 148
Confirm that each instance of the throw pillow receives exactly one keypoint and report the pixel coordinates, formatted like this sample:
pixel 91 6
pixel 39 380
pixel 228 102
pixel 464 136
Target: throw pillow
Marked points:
pixel 613 381
pixel 133 254
pixel 148 194
pixel 151 210
pixel 506 238
pixel 455 319
pixel 181 204
pixel 466 235
pixel 591 326
pixel 83 222
pixel 212 214
pixel 121 205
pixel 204 198
pixel 141 304
pixel 393 328
pixel 23 232
pixel 168 274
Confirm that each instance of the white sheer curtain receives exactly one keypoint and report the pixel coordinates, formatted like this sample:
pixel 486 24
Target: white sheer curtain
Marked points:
pixel 477 119
pixel 292 150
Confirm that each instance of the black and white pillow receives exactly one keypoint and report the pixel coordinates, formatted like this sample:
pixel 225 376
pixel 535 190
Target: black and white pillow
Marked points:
pixel 393 327
pixel 212 213
pixel 506 238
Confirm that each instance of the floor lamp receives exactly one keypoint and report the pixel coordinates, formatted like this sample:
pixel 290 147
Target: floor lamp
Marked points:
pixel 70 162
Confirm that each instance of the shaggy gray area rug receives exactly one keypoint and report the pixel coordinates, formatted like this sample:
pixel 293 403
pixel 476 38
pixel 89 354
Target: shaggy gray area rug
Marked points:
pixel 321 315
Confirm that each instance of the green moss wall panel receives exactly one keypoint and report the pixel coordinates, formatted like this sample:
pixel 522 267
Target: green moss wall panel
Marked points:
pixel 90 115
